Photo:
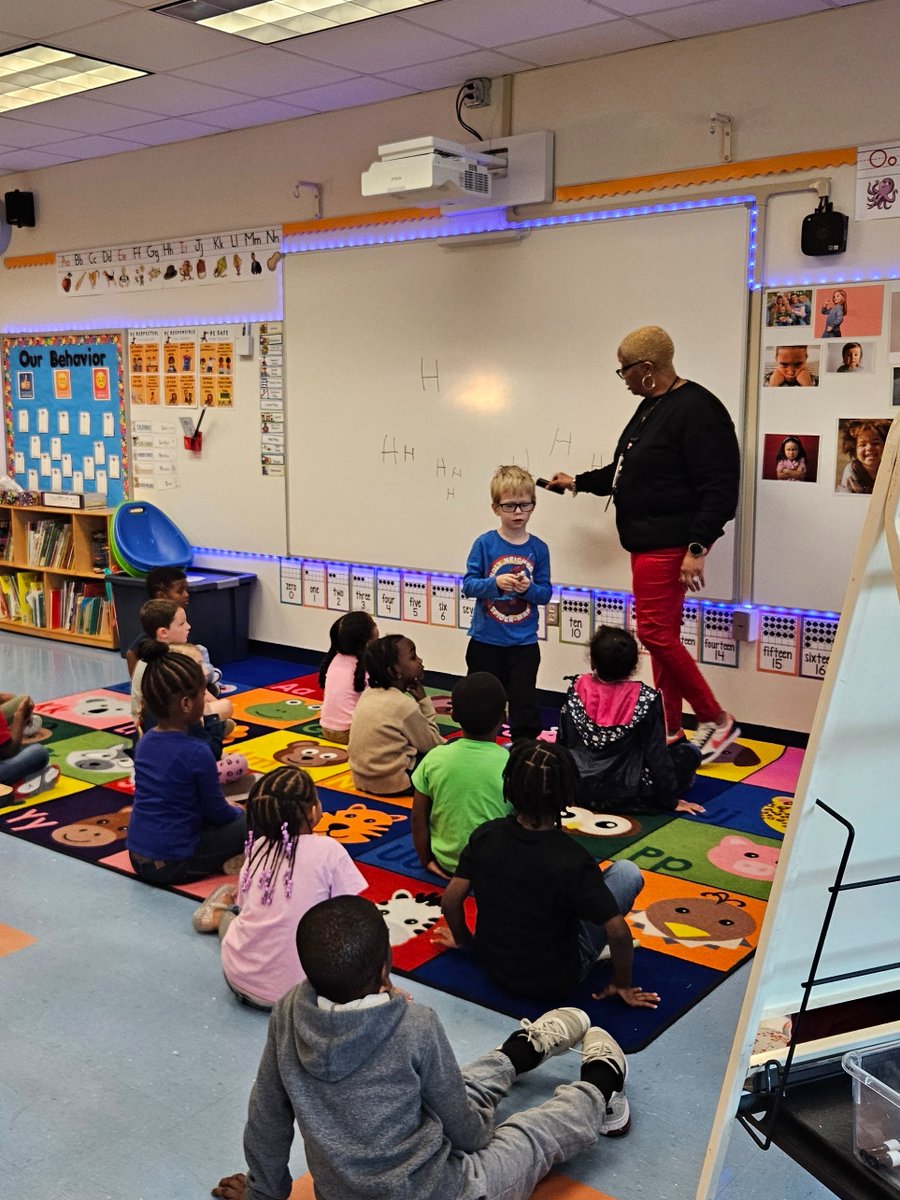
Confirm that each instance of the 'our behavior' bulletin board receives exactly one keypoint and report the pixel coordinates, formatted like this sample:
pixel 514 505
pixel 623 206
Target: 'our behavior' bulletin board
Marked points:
pixel 64 410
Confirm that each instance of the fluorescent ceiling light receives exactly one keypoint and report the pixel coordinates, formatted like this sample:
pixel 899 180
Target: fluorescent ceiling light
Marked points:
pixel 34 74
pixel 277 20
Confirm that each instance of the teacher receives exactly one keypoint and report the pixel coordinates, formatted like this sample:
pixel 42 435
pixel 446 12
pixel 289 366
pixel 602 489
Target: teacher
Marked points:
pixel 674 481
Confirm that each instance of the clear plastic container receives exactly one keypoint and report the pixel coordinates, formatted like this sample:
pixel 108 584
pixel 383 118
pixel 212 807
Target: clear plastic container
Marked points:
pixel 876 1108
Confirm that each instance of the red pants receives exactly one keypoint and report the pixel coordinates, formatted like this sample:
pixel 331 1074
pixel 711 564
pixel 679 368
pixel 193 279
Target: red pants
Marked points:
pixel 658 604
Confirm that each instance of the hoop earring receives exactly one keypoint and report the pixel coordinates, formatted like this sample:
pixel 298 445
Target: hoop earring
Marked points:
pixel 648 386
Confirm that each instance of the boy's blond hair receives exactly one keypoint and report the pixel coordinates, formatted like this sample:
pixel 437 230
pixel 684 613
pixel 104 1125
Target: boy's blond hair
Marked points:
pixel 189 649
pixel 515 481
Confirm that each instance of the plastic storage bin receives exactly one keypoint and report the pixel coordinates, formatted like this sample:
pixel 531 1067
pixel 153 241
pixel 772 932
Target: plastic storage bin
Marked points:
pixel 876 1108
pixel 219 610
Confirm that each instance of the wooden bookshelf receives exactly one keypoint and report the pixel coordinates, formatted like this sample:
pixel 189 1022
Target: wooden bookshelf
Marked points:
pixel 66 603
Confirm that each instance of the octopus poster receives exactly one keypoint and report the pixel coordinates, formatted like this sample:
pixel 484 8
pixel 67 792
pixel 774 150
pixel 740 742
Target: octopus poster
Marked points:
pixel 878 181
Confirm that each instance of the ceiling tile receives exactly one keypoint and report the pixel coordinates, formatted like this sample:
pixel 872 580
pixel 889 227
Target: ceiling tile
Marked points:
pixel 638 8
pixel 256 112
pixel 452 72
pixel 372 47
pixel 80 115
pixel 149 41
pixel 39 19
pixel 93 147
pixel 265 71
pixel 168 95
pixel 364 89
pixel 30 160
pixel 713 16
pixel 160 133
pixel 611 38
pixel 491 24
pixel 14 132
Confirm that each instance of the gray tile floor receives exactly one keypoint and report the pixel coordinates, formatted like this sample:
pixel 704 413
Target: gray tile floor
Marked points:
pixel 126 1064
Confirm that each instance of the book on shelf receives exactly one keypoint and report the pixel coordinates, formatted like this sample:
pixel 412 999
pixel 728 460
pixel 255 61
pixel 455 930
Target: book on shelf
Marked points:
pixel 50 543
pixel 10 607
pixel 5 537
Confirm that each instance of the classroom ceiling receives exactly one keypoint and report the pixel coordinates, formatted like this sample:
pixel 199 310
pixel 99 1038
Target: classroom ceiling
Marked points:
pixel 204 81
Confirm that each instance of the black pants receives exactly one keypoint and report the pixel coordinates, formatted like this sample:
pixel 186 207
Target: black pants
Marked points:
pixel 516 667
pixel 217 843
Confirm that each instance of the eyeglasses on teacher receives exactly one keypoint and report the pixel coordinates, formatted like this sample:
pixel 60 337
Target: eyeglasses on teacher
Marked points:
pixel 511 506
pixel 620 371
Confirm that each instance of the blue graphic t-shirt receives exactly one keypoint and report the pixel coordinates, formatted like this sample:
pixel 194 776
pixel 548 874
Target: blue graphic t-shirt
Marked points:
pixel 503 618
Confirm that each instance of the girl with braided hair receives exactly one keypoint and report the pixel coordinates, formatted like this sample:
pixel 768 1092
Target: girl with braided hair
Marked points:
pixel 181 828
pixel 546 913
pixel 286 871
pixel 342 673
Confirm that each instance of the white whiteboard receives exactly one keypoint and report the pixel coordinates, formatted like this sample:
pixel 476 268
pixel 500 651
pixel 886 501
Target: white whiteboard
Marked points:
pixel 415 370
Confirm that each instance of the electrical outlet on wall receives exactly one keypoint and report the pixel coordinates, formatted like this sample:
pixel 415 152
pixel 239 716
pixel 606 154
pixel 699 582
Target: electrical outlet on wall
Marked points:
pixel 553 613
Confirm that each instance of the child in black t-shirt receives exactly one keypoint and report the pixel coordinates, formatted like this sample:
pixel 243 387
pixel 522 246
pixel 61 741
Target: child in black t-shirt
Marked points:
pixel 546 913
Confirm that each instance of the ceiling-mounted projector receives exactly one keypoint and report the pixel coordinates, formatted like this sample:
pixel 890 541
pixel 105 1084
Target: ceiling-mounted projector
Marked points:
pixel 434 170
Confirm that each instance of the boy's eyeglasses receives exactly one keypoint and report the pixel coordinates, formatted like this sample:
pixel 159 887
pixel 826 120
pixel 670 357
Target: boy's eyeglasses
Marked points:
pixel 511 506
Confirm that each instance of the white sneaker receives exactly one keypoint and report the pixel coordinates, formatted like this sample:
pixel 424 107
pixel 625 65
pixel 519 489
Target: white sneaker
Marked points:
pixel 556 1031
pixel 713 740
pixel 600 1046
pixel 34 724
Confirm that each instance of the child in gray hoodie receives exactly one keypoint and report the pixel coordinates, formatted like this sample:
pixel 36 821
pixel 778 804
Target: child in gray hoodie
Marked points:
pixel 383 1107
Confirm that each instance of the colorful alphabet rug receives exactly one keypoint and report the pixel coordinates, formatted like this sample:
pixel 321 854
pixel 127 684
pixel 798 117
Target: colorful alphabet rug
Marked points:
pixel 706 877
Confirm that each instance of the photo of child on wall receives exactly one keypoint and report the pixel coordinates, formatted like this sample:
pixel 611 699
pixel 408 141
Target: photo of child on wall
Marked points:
pixel 791 366
pixel 848 312
pixel 791 457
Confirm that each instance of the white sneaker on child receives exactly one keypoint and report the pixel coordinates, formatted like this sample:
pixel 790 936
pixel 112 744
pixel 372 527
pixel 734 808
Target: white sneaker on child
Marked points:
pixel 713 740
pixel 556 1031
pixel 600 1046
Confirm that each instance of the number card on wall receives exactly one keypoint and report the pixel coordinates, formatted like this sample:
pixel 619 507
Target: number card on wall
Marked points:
pixel 337 586
pixel 387 592
pixel 575 617
pixel 291 580
pixel 415 598
pixel 718 647
pixel 314 584
pixel 779 639
pixel 610 608
pixel 362 589
pixel 690 628
pixel 817 640
pixel 444 595
pixel 466 610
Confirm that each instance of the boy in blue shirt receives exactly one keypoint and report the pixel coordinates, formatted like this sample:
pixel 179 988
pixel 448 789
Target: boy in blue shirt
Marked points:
pixel 508 573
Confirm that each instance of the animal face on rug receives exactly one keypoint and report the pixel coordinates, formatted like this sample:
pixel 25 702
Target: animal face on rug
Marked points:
pixel 101 760
pixel 310 754
pixel 777 813
pixel 407 915
pixel 98 706
pixel 292 710
pixel 741 856
pixel 591 824
pixel 356 824
pixel 95 831
pixel 711 919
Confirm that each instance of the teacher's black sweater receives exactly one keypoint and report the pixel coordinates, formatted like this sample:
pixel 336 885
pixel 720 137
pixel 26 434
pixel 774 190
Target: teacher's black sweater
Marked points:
pixel 680 472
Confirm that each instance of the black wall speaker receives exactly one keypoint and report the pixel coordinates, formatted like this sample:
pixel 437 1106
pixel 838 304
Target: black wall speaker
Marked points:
pixel 824 231
pixel 20 209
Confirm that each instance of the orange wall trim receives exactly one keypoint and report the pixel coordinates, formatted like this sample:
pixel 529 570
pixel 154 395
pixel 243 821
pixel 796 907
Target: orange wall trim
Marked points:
pixel 358 220
pixel 782 164
pixel 29 260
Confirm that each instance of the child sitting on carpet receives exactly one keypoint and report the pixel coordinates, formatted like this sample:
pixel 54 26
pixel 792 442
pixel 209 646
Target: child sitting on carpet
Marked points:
pixel 287 870
pixel 383 1108
pixel 546 914
pixel 17 717
pixel 163 583
pixel 459 786
pixel 342 675
pixel 614 727
pixel 166 622
pixel 181 828
pixel 394 719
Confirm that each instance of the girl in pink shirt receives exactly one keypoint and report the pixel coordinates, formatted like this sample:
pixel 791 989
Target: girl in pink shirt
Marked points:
pixel 286 871
pixel 613 725
pixel 342 675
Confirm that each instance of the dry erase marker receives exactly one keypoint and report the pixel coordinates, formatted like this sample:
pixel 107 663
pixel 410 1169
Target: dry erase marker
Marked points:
pixel 551 487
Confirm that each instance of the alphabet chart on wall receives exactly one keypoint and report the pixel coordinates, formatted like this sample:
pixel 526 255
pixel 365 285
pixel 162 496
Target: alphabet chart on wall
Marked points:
pixel 64 407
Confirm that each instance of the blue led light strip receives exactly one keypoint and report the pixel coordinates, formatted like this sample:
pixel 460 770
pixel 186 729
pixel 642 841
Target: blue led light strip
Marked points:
pixel 491 220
